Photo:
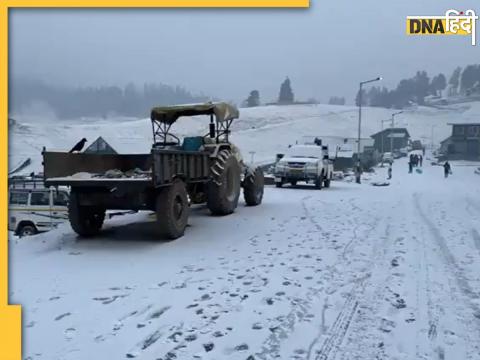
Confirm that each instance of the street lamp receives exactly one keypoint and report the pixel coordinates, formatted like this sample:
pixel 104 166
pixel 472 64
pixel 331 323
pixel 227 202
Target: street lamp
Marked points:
pixel 360 110
pixel 391 131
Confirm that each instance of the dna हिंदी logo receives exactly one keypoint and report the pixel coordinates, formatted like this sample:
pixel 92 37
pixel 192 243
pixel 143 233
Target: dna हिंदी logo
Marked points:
pixel 452 23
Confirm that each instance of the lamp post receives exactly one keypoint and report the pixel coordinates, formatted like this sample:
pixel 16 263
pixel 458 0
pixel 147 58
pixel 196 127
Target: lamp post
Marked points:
pixel 391 131
pixel 360 111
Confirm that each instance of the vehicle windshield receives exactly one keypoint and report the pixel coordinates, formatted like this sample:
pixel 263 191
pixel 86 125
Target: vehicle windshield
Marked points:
pixel 314 152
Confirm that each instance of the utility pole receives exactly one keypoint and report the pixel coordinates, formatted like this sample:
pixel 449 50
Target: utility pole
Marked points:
pixel 360 95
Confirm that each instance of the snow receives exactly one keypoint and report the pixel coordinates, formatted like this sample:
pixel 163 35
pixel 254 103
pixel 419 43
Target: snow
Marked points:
pixel 266 130
pixel 353 271
pixel 350 272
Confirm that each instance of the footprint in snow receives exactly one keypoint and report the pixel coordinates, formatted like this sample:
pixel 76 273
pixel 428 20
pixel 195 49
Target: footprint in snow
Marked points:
pixel 387 325
pixel 208 346
pixel 241 347
pixel 156 314
pixel 191 337
pixel 70 333
pixel 108 300
pixel 60 317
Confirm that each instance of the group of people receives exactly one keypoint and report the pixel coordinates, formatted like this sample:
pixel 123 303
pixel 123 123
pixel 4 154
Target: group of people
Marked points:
pixel 414 161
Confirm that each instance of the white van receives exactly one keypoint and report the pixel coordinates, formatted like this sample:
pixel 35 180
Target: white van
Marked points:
pixel 31 211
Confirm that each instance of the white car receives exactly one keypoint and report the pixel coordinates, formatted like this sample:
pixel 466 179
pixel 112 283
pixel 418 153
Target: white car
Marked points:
pixel 387 158
pixel 31 211
pixel 309 163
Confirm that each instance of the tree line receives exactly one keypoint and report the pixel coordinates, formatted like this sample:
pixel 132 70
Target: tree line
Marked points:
pixel 414 90
pixel 103 101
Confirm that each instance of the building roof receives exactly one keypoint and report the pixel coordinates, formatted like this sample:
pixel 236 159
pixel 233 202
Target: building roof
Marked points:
pixel 402 131
pixel 446 140
pixel 465 123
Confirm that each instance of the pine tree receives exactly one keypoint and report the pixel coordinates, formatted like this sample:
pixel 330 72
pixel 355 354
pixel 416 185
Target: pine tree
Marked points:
pixel 438 84
pixel 364 98
pixel 253 99
pixel 286 94
pixel 454 81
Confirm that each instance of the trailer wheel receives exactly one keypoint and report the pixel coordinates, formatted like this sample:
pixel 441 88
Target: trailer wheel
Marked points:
pixel 224 187
pixel 293 182
pixel 253 187
pixel 172 210
pixel 86 221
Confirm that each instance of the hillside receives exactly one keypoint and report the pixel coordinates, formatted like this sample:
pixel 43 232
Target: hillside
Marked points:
pixel 266 130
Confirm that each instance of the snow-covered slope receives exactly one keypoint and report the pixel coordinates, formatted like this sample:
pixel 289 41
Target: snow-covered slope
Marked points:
pixel 266 130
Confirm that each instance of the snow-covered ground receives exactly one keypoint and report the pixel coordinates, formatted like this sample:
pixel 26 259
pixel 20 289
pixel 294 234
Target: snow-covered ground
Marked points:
pixel 350 272
pixel 266 130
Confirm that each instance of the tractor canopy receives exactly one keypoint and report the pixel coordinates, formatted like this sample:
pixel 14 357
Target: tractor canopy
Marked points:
pixel 170 114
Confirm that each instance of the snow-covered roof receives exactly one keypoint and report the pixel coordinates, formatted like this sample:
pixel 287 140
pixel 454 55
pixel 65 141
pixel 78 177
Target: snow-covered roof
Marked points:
pixel 473 122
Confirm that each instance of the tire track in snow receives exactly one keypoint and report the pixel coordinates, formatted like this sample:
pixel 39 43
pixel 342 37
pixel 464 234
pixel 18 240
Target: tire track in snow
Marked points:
pixel 301 307
pixel 358 296
pixel 449 259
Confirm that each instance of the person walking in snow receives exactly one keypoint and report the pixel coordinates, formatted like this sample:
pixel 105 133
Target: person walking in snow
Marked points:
pixel 410 167
pixel 447 170
pixel 358 173
pixel 389 172
pixel 420 159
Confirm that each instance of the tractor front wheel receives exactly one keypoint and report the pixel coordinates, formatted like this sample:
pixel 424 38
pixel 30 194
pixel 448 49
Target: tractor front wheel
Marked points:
pixel 253 185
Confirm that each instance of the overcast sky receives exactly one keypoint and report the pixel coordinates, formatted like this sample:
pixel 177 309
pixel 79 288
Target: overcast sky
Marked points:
pixel 325 50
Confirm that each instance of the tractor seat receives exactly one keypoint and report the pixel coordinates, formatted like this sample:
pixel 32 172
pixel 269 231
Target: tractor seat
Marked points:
pixel 192 143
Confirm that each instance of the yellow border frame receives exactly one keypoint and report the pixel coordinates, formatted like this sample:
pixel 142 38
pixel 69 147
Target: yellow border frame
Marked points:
pixel 11 315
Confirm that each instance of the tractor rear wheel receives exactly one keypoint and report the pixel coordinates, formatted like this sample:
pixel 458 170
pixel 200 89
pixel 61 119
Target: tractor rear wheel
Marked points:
pixel 224 187
pixel 172 210
pixel 253 187
pixel 86 221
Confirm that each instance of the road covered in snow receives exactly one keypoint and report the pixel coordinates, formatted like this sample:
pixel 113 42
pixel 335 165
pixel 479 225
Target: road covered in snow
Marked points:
pixel 350 272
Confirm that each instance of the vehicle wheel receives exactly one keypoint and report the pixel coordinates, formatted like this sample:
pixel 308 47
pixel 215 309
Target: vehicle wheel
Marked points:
pixel 27 230
pixel 172 210
pixel 293 182
pixel 318 182
pixel 224 187
pixel 326 183
pixel 85 220
pixel 253 187
pixel 278 184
